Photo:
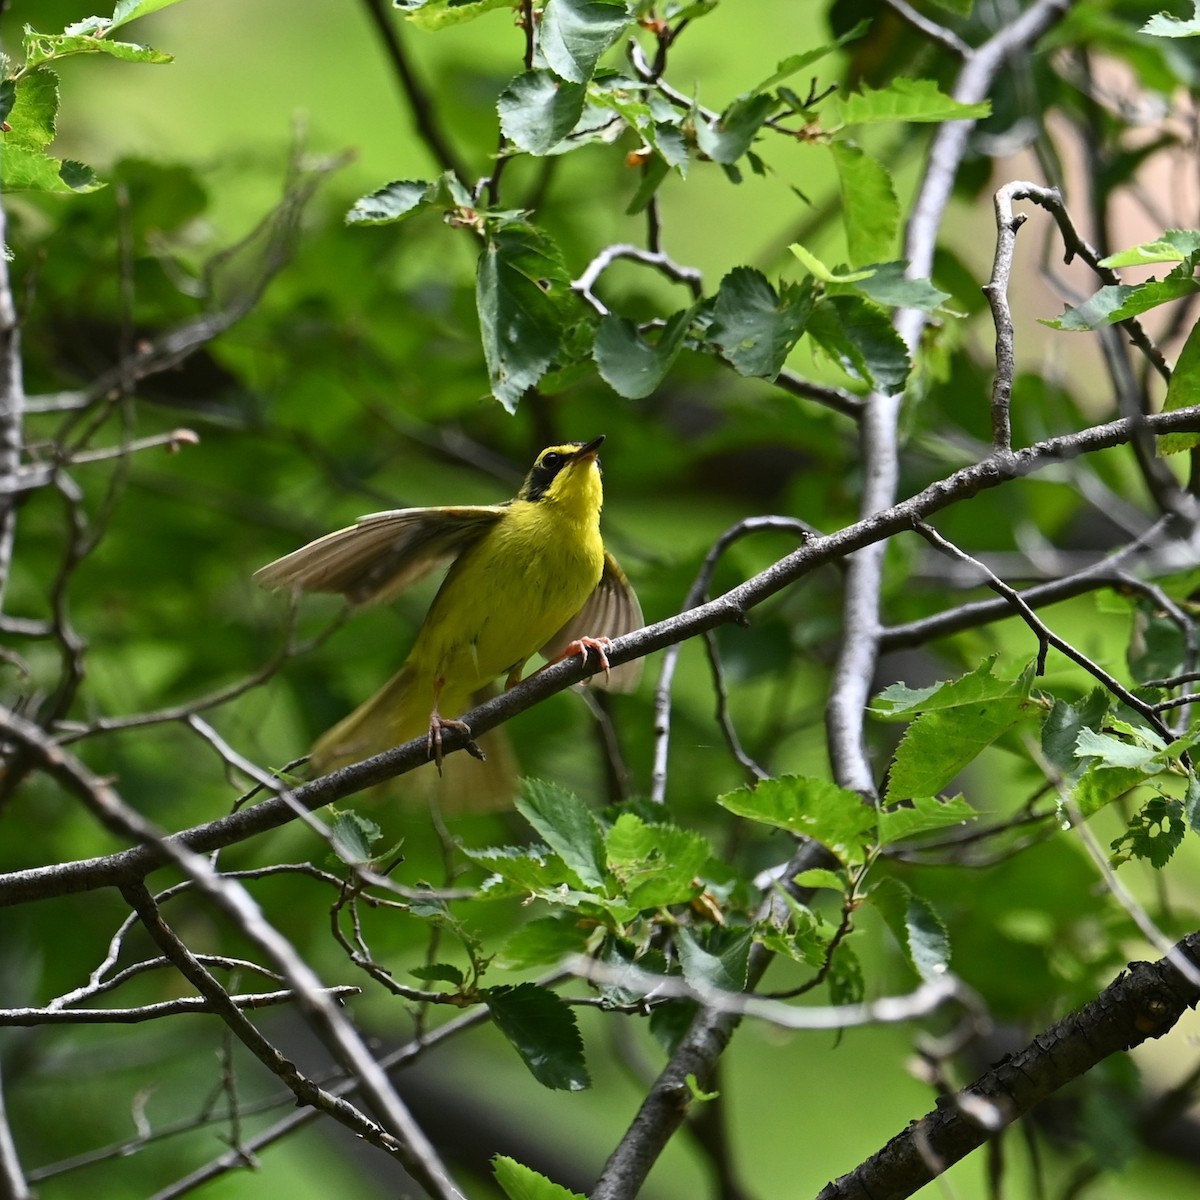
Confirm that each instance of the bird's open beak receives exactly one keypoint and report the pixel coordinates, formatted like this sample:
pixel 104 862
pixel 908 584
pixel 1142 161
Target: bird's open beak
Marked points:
pixel 590 450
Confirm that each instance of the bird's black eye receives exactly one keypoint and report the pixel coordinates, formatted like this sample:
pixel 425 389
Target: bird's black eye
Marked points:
pixel 552 461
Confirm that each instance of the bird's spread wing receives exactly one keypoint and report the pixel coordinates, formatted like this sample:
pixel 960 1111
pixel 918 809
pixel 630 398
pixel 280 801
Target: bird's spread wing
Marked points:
pixel 611 610
pixel 380 555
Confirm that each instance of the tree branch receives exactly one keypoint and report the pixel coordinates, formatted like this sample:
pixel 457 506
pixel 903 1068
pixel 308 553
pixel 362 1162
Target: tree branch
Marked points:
pixel 1144 1002
pixel 116 869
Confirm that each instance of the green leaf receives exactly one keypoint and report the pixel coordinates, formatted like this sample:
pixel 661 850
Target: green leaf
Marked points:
pixel 915 925
pixel 352 837
pixel 542 943
pixel 1119 302
pixel 938 745
pixel 754 327
pixel 130 10
pixel 1175 245
pixel 902 100
pixel 657 864
pixel 887 284
pixel 870 208
pixel 804 940
pixel 1154 833
pixel 399 199
pixel 1158 648
pixel 861 340
pixel 922 814
pixel 521 1183
pixel 573 34
pixel 845 979
pixel 1164 25
pixel 626 965
pixel 718 959
pixel 537 110
pixel 568 828
pixel 816 808
pixel 1183 391
pixel 521 291
pixel 899 701
pixel 439 973
pixel 1112 752
pixel 797 62
pixel 1062 726
pixel 727 138
pixel 8 97
pixel 821 877
pixel 818 270
pixel 22 169
pixel 438 14
pixel 46 47
pixel 541 1028
pixel 33 113
pixel 1191 802
pixel 628 362
pixel 529 871
pixel 1099 786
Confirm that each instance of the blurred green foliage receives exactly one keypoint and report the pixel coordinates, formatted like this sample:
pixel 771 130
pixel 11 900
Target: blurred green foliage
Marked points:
pixel 357 381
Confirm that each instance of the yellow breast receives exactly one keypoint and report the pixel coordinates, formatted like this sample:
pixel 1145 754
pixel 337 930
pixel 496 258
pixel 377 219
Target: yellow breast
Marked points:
pixel 508 595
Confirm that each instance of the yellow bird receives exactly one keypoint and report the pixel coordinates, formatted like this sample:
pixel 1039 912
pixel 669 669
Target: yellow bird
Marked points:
pixel 530 574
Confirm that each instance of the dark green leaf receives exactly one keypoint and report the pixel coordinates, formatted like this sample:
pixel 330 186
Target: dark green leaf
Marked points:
pixel 438 973
pixel 1154 833
pixel 568 827
pixel 670 1021
pixel 1191 802
pixel 352 837
pixel 860 338
pixel 916 927
pixel 754 327
pixel 1100 785
pixel 1061 729
pixel 573 34
pixel 716 960
pixel 846 977
pixel 542 1030
pixel 887 284
pixel 8 97
pixel 727 138
pixel 521 290
pixel 537 110
pixel 632 365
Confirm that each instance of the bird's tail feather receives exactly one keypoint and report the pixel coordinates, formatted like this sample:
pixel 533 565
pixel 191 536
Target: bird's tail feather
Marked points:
pixel 395 714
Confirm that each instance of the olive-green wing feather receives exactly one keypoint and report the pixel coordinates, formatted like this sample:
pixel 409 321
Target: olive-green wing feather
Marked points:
pixel 611 610
pixel 381 554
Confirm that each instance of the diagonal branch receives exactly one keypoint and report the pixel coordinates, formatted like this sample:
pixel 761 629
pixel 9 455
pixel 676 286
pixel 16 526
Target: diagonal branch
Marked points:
pixel 1142 1003
pixel 127 866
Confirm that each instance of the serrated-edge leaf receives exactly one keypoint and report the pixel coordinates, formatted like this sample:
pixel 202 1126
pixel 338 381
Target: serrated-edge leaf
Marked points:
pixel 393 202
pixel 870 207
pixel 1183 391
pixel 519 1182
pixel 1165 25
pixel 1174 246
pixel 910 100
pixel 130 10
pixel 630 364
pixel 541 1027
pixel 797 62
pixel 923 814
pixel 568 827
pixel 722 967
pixel 574 34
pixel 538 109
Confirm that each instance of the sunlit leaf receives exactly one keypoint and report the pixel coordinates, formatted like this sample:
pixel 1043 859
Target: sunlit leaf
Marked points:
pixel 537 110
pixel 573 34
pixel 522 1183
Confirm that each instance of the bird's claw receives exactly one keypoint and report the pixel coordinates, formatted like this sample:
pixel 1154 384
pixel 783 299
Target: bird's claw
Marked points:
pixel 582 645
pixel 436 724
